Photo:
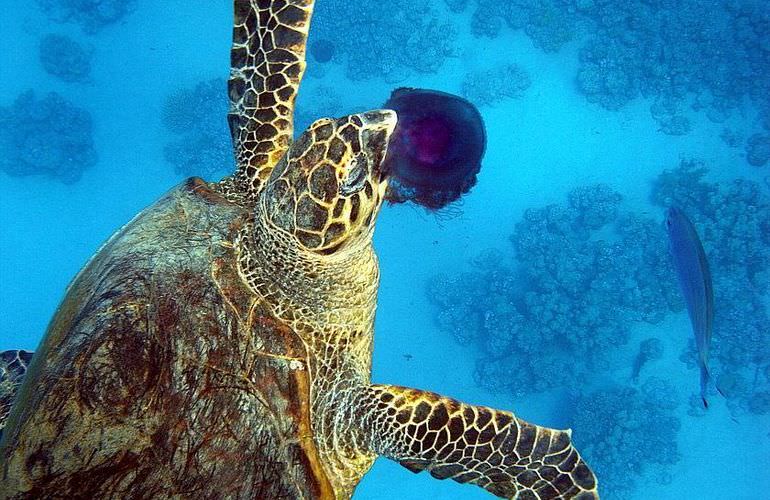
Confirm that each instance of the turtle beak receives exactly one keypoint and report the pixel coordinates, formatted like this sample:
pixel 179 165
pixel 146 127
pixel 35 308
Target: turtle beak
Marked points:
pixel 378 129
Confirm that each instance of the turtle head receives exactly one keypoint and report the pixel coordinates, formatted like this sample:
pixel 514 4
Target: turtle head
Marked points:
pixel 328 188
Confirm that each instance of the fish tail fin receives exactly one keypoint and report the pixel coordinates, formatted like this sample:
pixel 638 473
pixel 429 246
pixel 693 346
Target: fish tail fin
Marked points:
pixel 704 383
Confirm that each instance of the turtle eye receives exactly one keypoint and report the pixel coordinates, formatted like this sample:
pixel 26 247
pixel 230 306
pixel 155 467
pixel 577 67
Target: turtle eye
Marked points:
pixel 356 176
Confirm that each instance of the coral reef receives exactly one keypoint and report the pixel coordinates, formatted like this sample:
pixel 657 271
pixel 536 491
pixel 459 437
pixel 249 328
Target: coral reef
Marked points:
pixel 603 76
pixel 733 220
pixel 322 50
pixel 669 49
pixel 485 26
pixel 63 57
pixel 624 432
pixel 48 136
pixel 758 150
pixel 385 39
pixel 546 22
pixel 197 116
pixel 91 15
pixel 548 26
pixel 457 5
pixel 731 138
pixel 587 268
pixel 490 87
pixel 759 404
pixel 664 50
pixel 668 113
pixel 584 271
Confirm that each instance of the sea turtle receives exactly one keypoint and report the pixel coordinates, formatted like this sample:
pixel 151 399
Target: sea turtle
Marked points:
pixel 13 365
pixel 220 344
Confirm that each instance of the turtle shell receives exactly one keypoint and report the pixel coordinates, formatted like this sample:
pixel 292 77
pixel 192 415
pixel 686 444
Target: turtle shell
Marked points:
pixel 162 375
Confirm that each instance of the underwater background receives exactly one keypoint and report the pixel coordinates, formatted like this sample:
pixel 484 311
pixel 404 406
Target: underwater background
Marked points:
pixel 548 290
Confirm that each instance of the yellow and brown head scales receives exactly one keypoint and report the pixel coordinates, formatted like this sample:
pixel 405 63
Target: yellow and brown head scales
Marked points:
pixel 328 188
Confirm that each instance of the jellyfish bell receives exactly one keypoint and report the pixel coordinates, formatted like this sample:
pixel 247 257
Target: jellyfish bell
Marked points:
pixel 435 152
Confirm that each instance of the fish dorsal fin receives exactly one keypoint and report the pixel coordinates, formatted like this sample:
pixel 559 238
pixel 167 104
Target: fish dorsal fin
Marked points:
pixel 267 62
pixel 708 288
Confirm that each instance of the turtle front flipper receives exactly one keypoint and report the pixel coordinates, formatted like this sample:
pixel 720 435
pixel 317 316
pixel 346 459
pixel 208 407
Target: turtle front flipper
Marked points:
pixel 267 62
pixel 493 449
pixel 13 366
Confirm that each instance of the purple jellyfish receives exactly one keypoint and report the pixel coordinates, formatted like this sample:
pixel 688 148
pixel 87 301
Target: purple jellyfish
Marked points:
pixel 435 152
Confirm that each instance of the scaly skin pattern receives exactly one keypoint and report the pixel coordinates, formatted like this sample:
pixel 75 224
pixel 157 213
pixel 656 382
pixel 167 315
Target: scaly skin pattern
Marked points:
pixel 163 376
pixel 13 365
pixel 309 254
pixel 267 63
pixel 322 280
pixel 219 345
pixel 490 448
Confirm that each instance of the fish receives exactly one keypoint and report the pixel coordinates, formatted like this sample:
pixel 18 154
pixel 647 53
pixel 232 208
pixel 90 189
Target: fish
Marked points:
pixel 694 276
pixel 650 349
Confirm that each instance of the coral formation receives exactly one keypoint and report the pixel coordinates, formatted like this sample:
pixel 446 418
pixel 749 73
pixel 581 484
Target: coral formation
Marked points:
pixel 322 50
pixel 731 137
pixel 669 49
pixel 733 220
pixel 457 5
pixel 759 404
pixel 603 77
pixel 758 150
pixel 665 50
pixel 625 432
pixel 91 15
pixel 385 39
pixel 48 136
pixel 584 271
pixel 548 26
pixel 546 22
pixel 490 87
pixel 668 113
pixel 63 57
pixel 197 117
pixel 485 26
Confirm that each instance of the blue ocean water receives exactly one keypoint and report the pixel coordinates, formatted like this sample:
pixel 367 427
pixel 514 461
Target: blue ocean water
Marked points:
pixel 539 292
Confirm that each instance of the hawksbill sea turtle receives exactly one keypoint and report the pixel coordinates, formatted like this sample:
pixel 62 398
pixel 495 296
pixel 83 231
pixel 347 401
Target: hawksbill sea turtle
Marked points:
pixel 220 344
pixel 13 366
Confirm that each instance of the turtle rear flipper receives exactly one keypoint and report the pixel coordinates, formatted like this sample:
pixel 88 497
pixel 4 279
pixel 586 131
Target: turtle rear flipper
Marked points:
pixel 13 366
pixel 493 449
